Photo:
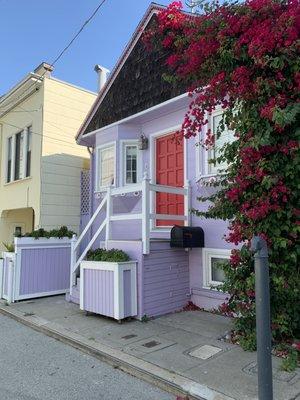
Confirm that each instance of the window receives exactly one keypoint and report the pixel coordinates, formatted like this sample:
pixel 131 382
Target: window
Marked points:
pixel 9 159
pixel 213 273
pixel 28 151
pixel 19 155
pixel 130 162
pixel 225 137
pixel 19 159
pixel 106 167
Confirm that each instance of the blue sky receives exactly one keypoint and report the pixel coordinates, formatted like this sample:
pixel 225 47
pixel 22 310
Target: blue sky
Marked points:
pixel 32 31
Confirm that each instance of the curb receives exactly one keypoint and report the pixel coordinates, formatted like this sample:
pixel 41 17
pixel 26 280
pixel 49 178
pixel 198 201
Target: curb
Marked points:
pixel 153 374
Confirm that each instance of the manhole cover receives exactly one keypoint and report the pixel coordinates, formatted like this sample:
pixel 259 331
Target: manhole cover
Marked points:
pixel 151 344
pixel 205 352
pixel 129 337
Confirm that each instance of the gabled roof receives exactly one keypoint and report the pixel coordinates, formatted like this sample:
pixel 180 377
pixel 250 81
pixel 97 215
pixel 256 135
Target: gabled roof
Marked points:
pixel 135 83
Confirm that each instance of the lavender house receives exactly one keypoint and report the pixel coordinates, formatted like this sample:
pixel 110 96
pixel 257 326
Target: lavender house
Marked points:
pixel 142 182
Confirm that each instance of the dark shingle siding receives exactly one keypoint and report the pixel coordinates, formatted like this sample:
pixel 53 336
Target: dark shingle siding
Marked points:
pixel 138 86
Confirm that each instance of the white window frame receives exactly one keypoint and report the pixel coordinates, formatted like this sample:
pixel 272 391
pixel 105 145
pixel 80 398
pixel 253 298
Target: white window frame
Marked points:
pixel 99 188
pixel 123 144
pixel 207 255
pixel 13 155
pixel 203 156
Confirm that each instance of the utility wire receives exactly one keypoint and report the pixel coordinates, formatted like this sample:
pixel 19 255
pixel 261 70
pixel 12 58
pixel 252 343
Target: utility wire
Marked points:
pixel 41 134
pixel 49 123
pixel 65 48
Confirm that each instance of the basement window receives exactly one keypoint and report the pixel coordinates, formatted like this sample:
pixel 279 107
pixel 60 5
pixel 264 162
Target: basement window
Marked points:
pixel 213 273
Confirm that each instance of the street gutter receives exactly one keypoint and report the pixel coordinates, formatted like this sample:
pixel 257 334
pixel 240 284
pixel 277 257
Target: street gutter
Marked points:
pixel 153 374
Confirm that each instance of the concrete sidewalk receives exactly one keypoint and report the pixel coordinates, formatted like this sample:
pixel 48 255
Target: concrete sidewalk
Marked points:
pixel 178 352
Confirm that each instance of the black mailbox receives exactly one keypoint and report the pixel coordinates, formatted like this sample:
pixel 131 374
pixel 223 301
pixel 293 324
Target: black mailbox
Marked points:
pixel 187 236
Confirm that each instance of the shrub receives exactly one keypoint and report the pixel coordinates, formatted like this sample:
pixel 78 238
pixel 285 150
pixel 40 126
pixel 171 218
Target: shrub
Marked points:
pixel 56 233
pixel 10 247
pixel 112 255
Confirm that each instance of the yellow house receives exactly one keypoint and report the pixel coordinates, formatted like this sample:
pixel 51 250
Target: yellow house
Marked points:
pixel 40 163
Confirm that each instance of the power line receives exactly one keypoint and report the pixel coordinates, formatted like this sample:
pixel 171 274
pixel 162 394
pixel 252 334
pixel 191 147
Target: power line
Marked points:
pixel 78 33
pixel 65 48
pixel 50 123
pixel 41 134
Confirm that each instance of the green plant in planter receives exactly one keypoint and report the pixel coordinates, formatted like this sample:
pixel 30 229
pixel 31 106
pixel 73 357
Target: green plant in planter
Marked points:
pixel 112 255
pixel 10 247
pixel 63 231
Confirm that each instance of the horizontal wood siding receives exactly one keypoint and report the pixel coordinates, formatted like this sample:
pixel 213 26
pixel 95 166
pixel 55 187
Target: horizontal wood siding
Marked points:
pixel 60 198
pixel 99 292
pixel 44 270
pixel 166 279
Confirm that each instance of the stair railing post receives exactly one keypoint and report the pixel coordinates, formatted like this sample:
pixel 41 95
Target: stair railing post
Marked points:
pixel 109 210
pixel 73 262
pixel 146 213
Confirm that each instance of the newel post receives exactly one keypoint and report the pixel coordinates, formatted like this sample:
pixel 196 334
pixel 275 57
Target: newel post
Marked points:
pixel 146 213
pixel 73 261
pixel 109 210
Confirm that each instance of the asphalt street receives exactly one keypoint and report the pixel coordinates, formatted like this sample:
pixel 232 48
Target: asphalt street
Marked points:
pixel 36 367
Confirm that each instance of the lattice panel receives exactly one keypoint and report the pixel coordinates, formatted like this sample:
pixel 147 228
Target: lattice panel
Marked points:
pixel 85 192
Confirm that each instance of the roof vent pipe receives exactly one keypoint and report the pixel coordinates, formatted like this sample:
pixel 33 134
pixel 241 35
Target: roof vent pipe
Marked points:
pixel 102 75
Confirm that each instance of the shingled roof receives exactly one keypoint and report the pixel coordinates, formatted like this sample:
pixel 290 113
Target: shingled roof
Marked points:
pixel 135 84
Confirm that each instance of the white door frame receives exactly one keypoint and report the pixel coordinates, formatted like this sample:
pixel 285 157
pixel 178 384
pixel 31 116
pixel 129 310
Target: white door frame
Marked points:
pixel 152 146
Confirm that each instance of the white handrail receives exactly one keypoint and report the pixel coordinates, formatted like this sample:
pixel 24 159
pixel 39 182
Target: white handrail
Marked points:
pixel 168 189
pixel 90 222
pixel 84 253
pixel 126 189
pixel 169 217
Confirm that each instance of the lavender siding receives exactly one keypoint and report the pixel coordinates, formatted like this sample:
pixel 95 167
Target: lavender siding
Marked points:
pixel 44 270
pixel 166 279
pixel 127 293
pixel 99 291
pixel 151 291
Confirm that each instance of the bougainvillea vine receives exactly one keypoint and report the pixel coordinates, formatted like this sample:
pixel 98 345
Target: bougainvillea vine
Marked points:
pixel 244 59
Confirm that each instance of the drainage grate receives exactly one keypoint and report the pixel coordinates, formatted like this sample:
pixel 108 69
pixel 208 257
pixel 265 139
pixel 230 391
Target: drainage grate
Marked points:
pixel 151 344
pixel 128 337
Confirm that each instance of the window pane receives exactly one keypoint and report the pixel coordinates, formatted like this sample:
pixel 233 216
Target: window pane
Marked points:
pixel 19 155
pixel 9 157
pixel 28 151
pixel 225 137
pixel 131 164
pixel 107 166
pixel 217 273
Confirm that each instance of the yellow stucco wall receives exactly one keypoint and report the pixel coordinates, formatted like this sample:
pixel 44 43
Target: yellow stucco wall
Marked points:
pixel 65 107
pixel 23 217
pixel 26 192
pixel 55 113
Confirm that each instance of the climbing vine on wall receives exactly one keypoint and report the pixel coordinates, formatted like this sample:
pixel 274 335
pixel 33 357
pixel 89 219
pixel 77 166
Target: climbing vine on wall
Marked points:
pixel 244 58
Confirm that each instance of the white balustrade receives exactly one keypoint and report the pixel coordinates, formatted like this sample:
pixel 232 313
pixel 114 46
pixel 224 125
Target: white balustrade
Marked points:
pixel 146 188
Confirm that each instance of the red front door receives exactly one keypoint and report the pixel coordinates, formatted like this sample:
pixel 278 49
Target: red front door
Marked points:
pixel 169 171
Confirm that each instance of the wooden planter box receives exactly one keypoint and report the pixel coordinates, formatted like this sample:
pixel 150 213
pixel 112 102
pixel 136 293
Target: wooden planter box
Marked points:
pixel 109 288
pixel 39 267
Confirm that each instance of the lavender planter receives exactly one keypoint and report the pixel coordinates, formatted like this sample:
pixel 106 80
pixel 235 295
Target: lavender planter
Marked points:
pixel 39 267
pixel 109 288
